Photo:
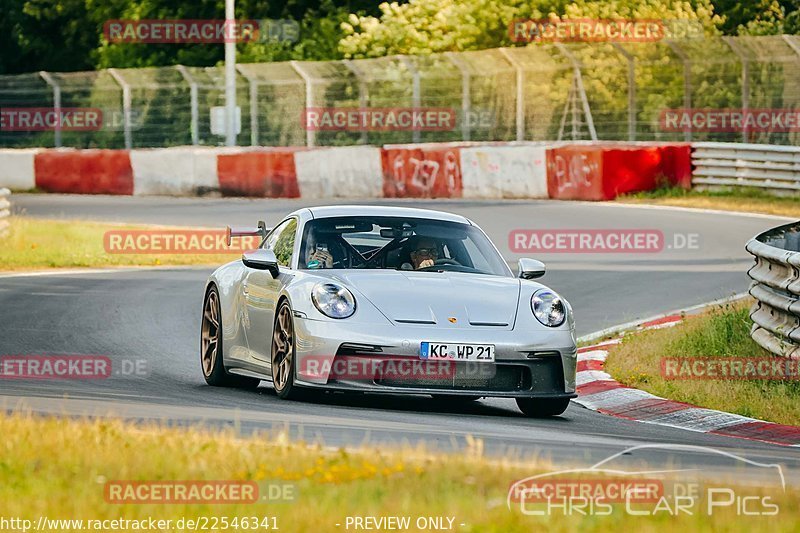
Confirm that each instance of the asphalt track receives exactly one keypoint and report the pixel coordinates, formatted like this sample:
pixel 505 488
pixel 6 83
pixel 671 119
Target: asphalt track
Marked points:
pixel 153 316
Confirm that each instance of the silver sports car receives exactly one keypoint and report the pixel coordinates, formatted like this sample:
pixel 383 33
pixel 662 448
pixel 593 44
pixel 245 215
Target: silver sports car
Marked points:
pixel 387 300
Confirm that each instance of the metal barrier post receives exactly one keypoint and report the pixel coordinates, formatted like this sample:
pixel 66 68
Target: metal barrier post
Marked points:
pixel 311 136
pixel 363 91
pixel 520 93
pixel 687 81
pixel 193 103
pixel 126 106
pixel 734 46
pixel 49 80
pixel 631 90
pixel 253 84
pixel 416 99
pixel 466 103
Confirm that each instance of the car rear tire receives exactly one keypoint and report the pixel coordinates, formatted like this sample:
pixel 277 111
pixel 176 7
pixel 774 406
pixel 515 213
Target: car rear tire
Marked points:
pixel 542 407
pixel 455 398
pixel 211 362
pixel 283 354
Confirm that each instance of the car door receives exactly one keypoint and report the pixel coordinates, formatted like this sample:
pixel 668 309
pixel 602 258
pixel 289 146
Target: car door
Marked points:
pixel 260 291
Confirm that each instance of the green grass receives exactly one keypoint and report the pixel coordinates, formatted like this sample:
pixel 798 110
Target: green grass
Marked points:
pixel 721 332
pixel 742 199
pixel 58 468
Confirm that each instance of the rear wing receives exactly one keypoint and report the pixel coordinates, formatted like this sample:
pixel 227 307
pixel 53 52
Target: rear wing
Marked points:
pixel 246 231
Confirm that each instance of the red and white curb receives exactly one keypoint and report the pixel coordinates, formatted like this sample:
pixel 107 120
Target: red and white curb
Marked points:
pixel 598 391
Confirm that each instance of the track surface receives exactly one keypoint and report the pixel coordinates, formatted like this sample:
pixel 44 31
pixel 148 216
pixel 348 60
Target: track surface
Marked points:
pixel 154 316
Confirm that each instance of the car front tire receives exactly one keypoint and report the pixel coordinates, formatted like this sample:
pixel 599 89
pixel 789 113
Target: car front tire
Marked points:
pixel 542 407
pixel 283 354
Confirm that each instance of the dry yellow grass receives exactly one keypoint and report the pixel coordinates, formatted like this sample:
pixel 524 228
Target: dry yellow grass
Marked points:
pixel 738 200
pixel 58 468
pixel 39 244
pixel 721 332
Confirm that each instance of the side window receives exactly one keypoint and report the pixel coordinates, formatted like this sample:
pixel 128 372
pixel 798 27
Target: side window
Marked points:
pixel 281 241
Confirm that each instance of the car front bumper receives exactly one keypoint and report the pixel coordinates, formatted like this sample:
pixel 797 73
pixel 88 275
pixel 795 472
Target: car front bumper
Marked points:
pixel 538 364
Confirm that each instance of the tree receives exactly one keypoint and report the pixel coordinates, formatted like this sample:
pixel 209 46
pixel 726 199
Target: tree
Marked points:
pixel 427 26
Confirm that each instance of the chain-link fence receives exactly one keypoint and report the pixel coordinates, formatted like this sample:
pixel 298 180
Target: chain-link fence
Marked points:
pixel 604 91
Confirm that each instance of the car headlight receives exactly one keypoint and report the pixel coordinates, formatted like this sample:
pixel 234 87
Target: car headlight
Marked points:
pixel 333 300
pixel 548 308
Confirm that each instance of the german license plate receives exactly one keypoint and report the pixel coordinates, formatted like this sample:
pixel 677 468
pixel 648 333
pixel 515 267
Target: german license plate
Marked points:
pixel 436 351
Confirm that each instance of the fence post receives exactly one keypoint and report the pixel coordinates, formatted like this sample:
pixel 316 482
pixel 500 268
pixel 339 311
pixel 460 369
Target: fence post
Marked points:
pixel 311 137
pixel 415 92
pixel 631 90
pixel 193 102
pixel 126 106
pixel 49 80
pixel 687 82
pixel 520 119
pixel 576 69
pixel 253 88
pixel 363 91
pixel 466 103
pixel 734 46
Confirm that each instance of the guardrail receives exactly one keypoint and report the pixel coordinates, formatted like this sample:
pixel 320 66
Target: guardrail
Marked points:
pixel 5 210
pixel 776 288
pixel 772 167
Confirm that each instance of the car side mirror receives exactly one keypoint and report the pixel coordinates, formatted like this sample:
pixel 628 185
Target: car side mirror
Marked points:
pixel 531 268
pixel 261 259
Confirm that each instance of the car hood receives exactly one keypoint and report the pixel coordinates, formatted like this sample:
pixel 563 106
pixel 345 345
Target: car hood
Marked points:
pixel 451 299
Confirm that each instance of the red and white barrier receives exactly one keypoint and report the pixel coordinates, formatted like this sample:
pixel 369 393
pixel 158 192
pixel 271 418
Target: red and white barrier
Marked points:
pixel 504 171
pixel 174 171
pixel 347 171
pixel 266 173
pixel 422 171
pixel 582 171
pixel 17 168
pixel 84 171
pixel 604 171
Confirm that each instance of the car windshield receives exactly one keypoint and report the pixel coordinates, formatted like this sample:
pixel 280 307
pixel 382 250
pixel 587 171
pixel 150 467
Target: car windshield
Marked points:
pixel 398 243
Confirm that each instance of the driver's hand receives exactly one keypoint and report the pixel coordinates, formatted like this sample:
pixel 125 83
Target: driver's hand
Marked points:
pixel 325 258
pixel 426 263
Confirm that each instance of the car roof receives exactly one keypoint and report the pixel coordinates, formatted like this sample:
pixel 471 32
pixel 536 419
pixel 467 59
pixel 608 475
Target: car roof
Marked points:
pixel 384 211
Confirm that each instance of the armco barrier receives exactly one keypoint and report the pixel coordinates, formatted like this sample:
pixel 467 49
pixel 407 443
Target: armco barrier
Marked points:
pixel 84 171
pixel 773 168
pixel 604 171
pixel 265 173
pixel 581 170
pixel 504 171
pixel 421 171
pixel 776 288
pixel 174 171
pixel 343 172
pixel 17 169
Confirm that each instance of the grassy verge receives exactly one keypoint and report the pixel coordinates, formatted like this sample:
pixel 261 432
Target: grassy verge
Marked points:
pixel 59 469
pixel 721 332
pixel 36 243
pixel 741 199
